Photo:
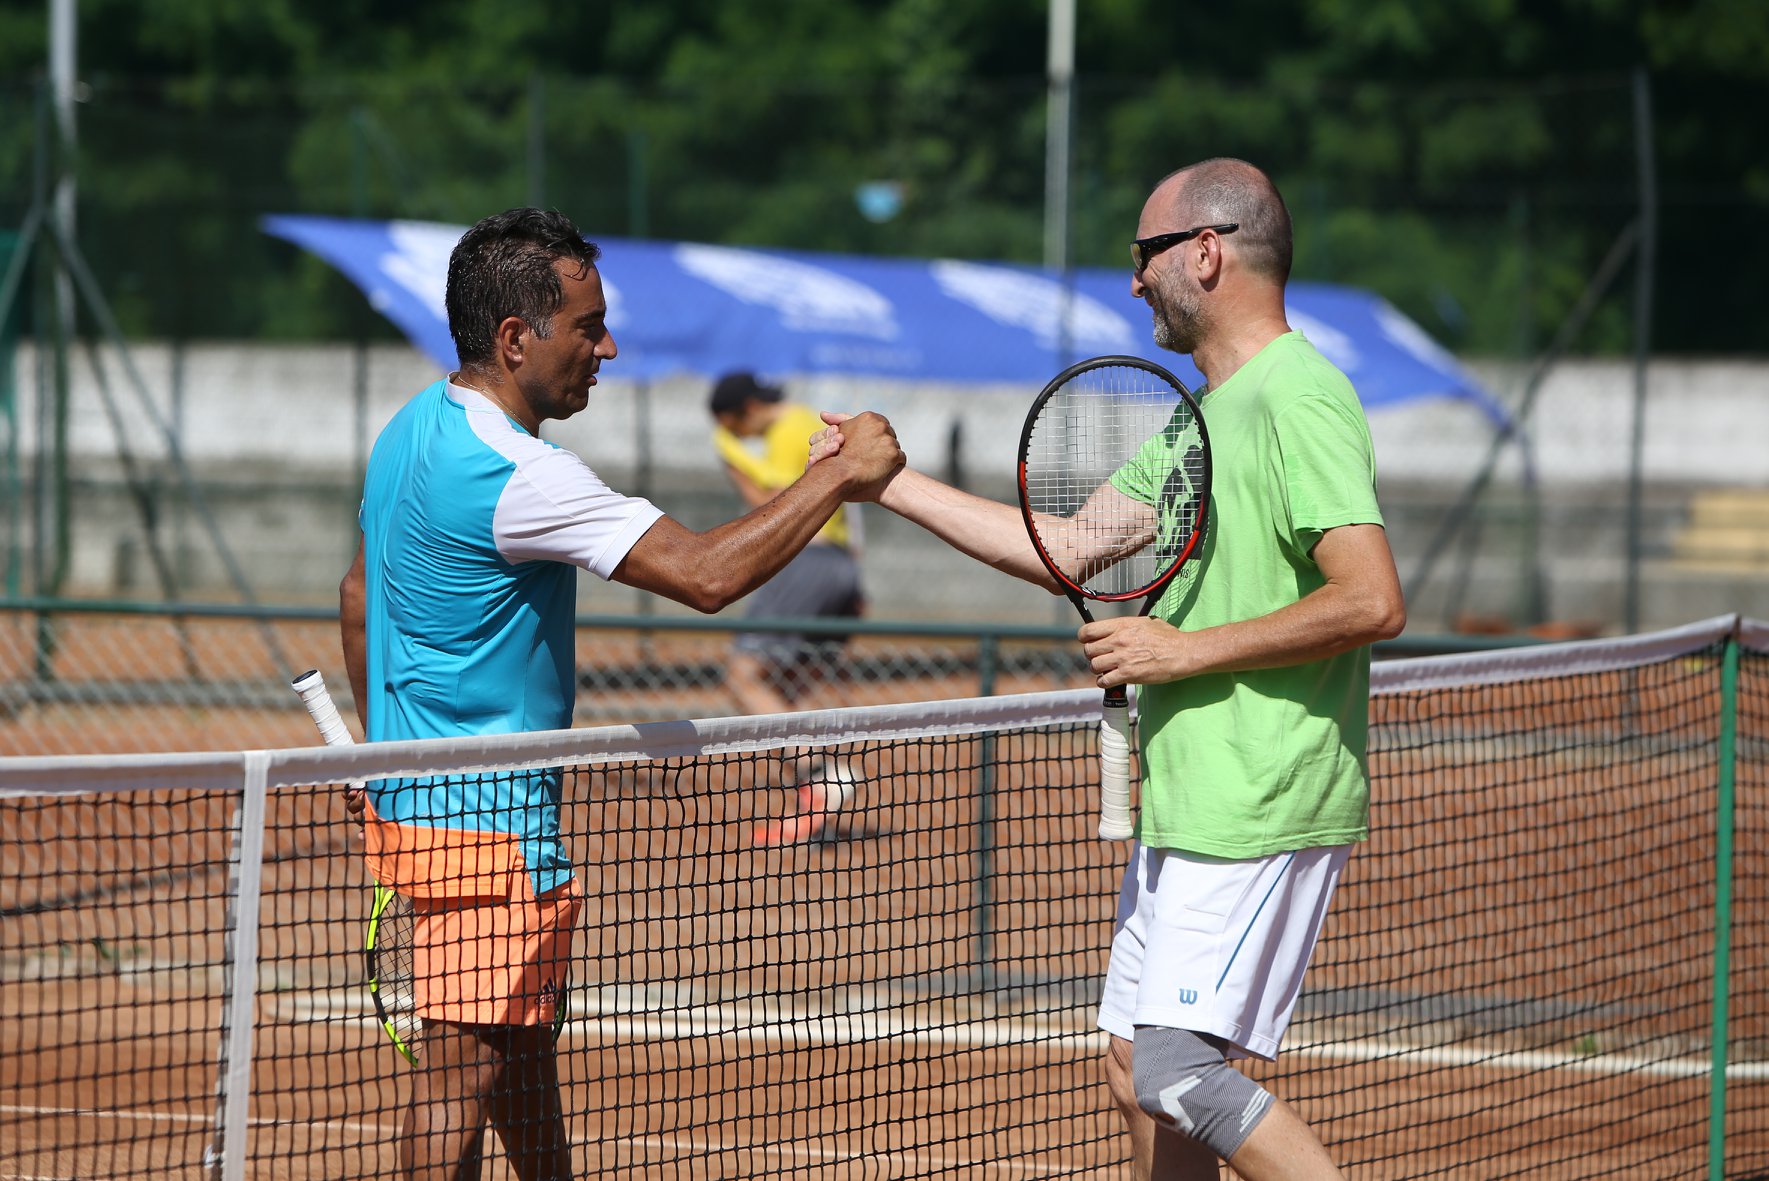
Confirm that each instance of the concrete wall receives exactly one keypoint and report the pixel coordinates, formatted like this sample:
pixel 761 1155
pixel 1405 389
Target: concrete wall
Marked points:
pixel 275 436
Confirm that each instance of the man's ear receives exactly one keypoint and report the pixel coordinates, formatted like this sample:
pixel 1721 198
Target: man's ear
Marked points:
pixel 512 336
pixel 1208 258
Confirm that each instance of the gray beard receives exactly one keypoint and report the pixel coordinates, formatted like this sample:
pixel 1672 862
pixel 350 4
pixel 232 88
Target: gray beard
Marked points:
pixel 1177 330
pixel 1176 338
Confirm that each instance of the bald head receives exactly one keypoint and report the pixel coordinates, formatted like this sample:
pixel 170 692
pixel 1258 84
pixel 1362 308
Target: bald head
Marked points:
pixel 1215 192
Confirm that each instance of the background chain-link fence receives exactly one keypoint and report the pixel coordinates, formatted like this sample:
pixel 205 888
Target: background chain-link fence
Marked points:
pixel 94 678
pixel 102 678
pixel 272 440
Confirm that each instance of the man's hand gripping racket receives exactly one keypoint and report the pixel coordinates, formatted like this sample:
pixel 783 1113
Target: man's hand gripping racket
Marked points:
pixel 1114 479
pixel 387 947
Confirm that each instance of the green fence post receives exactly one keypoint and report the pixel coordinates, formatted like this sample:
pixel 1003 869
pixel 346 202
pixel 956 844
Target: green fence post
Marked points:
pixel 1723 826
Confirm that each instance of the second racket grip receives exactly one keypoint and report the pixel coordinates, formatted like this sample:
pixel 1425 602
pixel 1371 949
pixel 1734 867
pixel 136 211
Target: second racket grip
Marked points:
pixel 1115 820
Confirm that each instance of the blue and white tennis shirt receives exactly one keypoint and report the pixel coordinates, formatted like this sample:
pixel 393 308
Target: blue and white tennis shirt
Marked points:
pixel 472 529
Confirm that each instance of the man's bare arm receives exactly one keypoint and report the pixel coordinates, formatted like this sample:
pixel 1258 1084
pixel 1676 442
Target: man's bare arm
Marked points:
pixel 1108 528
pixel 711 570
pixel 1104 531
pixel 994 533
pixel 987 530
pixel 1359 604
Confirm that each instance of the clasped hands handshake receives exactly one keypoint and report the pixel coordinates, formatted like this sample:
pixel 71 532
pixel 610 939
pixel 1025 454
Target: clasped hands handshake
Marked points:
pixel 1124 650
pixel 866 442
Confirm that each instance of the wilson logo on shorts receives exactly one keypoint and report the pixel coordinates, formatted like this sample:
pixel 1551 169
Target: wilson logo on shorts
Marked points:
pixel 1188 996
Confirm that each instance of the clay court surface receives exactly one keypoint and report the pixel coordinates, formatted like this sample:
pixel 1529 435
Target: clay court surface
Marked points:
pixel 1516 980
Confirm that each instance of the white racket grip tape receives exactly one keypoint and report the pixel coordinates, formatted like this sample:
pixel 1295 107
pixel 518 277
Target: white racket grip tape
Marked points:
pixel 311 685
pixel 1115 821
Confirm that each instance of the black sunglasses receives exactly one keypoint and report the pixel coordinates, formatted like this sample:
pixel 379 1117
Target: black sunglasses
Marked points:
pixel 1144 249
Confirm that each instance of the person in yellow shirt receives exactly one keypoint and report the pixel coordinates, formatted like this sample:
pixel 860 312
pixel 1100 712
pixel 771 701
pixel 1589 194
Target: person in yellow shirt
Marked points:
pixel 768 670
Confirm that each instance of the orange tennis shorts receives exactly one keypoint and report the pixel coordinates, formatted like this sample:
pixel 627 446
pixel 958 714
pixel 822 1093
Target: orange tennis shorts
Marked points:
pixel 494 961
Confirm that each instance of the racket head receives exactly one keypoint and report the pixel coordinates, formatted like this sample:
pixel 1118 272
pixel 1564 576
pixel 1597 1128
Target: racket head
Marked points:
pixel 387 952
pixel 1099 427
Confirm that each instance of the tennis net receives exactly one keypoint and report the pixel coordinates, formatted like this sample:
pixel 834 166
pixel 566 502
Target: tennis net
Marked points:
pixel 1549 960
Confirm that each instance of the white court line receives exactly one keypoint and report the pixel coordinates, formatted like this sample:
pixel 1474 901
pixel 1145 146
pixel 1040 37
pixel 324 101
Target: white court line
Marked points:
pixel 174 1117
pixel 742 1023
pixel 1603 1064
pixel 770 1025
pixel 827 1030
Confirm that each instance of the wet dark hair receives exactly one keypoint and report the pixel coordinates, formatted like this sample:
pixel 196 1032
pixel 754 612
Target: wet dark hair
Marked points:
pixel 503 267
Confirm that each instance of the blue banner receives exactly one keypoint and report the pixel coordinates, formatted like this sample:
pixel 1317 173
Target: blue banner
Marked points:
pixel 689 307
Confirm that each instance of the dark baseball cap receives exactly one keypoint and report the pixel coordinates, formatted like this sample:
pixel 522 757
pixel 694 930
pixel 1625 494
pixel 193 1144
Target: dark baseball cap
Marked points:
pixel 732 391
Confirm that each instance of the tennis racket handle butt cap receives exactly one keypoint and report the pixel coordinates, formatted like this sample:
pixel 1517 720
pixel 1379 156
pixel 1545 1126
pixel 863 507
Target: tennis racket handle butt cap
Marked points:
pixel 1115 820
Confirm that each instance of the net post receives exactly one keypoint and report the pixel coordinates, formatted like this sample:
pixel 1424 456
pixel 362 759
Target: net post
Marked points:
pixel 1724 808
pixel 233 1083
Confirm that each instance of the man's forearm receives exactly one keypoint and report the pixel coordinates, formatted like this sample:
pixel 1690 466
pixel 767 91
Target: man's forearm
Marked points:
pixel 987 530
pixel 1360 603
pixel 755 546
pixel 711 570
pixel 1321 625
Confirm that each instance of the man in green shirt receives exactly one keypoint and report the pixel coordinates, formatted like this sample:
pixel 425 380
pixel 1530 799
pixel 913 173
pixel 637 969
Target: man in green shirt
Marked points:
pixel 1254 675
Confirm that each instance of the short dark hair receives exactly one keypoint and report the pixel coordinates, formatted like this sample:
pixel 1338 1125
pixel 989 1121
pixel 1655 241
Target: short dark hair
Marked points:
pixel 1223 190
pixel 735 390
pixel 503 267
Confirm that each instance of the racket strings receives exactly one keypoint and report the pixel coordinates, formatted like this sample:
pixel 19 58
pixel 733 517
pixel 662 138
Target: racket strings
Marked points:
pixel 1106 422
pixel 392 972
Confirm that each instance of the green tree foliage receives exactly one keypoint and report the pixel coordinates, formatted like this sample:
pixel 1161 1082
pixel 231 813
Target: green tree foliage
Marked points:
pixel 1473 160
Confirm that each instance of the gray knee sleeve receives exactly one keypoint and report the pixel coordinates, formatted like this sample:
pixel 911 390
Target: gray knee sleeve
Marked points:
pixel 1184 1083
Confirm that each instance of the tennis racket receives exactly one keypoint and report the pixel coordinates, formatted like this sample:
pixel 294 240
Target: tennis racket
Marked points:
pixel 1114 481
pixel 387 947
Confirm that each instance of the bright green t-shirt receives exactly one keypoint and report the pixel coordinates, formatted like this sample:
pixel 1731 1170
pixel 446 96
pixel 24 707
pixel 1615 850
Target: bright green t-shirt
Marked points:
pixel 1247 764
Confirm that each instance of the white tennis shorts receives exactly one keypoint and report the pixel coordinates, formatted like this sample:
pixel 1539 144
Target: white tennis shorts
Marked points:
pixel 1216 946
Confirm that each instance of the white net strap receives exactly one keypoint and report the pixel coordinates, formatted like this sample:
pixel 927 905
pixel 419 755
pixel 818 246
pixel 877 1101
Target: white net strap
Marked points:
pixel 1547 660
pixel 513 752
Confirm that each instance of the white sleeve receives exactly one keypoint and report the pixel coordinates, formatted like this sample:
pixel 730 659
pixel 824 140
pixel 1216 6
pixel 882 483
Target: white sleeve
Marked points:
pixel 555 508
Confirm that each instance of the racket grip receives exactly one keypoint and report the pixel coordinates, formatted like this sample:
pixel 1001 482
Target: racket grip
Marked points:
pixel 1115 821
pixel 311 685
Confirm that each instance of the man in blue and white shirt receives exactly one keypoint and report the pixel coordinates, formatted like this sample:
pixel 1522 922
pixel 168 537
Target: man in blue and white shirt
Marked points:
pixel 457 619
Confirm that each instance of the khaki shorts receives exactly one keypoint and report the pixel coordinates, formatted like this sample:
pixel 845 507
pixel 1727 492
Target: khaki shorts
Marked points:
pixel 494 961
